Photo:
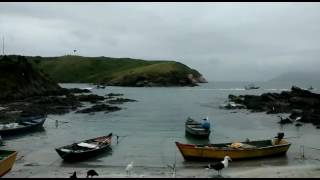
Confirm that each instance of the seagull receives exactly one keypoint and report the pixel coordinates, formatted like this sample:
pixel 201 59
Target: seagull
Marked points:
pixel 129 168
pixel 220 165
pixel 74 175
pixel 92 173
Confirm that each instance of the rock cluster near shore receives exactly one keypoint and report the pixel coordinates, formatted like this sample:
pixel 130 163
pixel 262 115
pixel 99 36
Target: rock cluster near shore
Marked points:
pixel 302 104
pixel 28 91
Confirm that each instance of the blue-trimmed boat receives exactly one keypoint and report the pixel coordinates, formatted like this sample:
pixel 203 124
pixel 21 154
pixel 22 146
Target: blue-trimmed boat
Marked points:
pixel 23 125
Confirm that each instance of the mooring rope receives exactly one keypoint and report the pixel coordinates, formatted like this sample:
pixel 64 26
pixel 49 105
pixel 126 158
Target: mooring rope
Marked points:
pixel 118 138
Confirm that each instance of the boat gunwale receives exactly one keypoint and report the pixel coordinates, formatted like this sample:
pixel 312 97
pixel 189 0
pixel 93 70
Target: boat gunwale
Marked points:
pixel 43 119
pixel 213 148
pixel 13 156
pixel 101 146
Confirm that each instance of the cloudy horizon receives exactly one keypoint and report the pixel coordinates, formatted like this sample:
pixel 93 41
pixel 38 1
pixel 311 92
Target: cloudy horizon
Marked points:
pixel 223 41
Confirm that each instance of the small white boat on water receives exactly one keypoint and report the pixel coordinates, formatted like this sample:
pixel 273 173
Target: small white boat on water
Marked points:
pixel 88 88
pixel 251 86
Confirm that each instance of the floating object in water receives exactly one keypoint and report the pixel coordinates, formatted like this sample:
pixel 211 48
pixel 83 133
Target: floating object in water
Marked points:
pixel 87 88
pixel 251 86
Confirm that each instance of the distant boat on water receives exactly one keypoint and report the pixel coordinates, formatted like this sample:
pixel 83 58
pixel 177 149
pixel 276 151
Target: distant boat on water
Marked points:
pixel 87 88
pixel 310 88
pixel 251 86
pixel 100 86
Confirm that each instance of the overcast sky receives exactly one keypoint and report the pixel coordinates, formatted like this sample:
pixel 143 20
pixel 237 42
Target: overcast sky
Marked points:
pixel 223 41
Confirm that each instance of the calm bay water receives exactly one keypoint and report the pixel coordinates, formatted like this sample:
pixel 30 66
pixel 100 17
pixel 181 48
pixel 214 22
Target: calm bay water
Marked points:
pixel 149 127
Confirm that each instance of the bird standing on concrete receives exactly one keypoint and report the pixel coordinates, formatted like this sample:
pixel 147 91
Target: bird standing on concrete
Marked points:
pixel 220 165
pixel 74 175
pixel 92 173
pixel 129 168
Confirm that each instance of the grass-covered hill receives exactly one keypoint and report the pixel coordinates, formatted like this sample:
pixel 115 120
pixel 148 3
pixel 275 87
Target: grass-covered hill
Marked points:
pixel 117 71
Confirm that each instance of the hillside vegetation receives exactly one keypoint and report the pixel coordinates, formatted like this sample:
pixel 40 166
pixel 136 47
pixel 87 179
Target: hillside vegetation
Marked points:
pixel 19 79
pixel 117 71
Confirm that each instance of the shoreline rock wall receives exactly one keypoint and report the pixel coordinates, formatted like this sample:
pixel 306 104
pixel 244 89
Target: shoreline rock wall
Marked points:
pixel 300 103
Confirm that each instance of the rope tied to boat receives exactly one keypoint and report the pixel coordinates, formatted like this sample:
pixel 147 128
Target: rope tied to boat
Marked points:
pixel 118 137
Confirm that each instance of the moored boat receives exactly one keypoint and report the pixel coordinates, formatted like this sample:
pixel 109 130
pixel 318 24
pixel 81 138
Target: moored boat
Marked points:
pixel 100 86
pixel 23 125
pixel 196 129
pixel 236 151
pixel 251 86
pixel 85 149
pixel 7 159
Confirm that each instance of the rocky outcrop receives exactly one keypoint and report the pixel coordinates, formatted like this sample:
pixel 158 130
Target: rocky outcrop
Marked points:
pixel 18 79
pixel 93 98
pixel 120 100
pixel 303 105
pixel 114 94
pixel 25 90
pixel 98 108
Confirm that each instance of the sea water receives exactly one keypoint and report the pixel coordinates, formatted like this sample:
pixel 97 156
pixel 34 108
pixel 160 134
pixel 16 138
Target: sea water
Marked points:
pixel 148 128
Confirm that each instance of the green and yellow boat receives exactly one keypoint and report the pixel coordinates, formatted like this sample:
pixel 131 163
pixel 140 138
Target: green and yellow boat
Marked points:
pixel 236 151
pixel 7 159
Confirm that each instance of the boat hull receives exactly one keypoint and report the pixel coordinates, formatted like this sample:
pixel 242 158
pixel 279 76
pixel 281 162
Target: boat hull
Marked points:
pixel 76 152
pixel 22 130
pixel 6 163
pixel 192 152
pixel 197 134
pixel 72 157
pixel 193 128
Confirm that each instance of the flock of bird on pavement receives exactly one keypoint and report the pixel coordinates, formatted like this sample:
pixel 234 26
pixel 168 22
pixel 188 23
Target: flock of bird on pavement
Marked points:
pixel 218 166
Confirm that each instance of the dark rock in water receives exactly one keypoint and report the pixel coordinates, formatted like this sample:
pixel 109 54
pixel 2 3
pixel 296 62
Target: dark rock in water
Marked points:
pixel 99 107
pixel 236 99
pixel 93 98
pixel 25 89
pixel 318 127
pixel 77 90
pixel 298 124
pixel 114 94
pixel 303 105
pixel 120 100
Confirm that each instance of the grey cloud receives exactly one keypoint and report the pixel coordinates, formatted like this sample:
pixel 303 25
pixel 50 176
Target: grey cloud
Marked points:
pixel 224 41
